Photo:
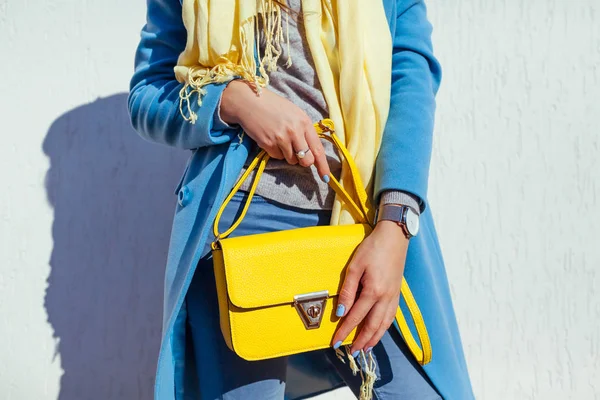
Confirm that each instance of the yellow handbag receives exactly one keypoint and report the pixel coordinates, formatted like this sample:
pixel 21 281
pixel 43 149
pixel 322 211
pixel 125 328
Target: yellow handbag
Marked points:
pixel 277 290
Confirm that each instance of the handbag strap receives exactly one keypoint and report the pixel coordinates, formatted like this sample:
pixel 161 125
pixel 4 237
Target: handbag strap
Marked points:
pixel 326 125
pixel 362 211
pixel 421 353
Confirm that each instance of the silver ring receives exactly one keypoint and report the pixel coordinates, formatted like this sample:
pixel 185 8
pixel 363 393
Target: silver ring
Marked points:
pixel 302 153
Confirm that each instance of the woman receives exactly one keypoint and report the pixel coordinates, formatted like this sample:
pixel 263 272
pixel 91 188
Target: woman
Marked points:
pixel 269 99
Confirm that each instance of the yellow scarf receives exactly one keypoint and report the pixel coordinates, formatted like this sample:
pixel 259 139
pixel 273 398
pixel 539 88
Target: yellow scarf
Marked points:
pixel 351 47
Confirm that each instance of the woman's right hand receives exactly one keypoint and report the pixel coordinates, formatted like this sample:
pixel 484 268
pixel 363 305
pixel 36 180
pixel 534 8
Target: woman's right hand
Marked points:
pixel 276 124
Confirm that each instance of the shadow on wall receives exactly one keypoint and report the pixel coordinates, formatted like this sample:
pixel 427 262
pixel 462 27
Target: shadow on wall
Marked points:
pixel 113 199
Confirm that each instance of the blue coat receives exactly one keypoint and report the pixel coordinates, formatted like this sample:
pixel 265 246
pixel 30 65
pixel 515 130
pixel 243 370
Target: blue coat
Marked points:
pixel 218 156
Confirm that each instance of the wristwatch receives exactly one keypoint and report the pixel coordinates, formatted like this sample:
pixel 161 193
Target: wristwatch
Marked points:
pixel 403 215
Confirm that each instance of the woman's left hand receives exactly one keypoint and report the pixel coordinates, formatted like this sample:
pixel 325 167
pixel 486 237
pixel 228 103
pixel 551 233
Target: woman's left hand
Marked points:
pixel 378 266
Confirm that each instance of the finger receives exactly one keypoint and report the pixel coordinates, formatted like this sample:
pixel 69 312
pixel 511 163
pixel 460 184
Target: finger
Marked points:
pixel 349 288
pixel 387 321
pixel 284 141
pixel 318 151
pixel 299 143
pixel 370 328
pixel 355 316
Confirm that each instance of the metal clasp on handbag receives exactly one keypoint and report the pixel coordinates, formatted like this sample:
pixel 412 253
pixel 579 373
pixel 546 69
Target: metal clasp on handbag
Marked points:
pixel 311 308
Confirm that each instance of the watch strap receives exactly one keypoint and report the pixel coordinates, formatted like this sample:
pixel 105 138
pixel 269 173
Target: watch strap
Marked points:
pixel 393 212
pixel 393 196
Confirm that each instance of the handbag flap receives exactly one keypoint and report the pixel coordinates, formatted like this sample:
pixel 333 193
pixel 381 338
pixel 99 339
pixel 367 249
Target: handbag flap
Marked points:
pixel 269 269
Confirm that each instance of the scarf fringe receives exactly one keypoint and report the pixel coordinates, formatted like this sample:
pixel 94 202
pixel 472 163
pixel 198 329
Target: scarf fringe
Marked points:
pixel 367 373
pixel 272 29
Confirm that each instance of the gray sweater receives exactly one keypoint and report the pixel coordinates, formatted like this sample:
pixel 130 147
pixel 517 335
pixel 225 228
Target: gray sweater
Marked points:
pixel 295 185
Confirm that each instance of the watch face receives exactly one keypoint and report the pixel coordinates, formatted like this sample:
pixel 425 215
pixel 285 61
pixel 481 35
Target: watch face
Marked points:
pixel 412 222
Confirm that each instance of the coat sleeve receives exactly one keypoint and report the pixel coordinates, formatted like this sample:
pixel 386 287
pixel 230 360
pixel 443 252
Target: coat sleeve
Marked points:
pixel 153 100
pixel 405 153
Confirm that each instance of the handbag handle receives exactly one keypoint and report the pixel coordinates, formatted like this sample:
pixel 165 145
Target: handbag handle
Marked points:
pixel 362 213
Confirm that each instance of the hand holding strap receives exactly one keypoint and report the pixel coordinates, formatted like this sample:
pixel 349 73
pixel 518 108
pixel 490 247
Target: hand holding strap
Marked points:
pixel 362 212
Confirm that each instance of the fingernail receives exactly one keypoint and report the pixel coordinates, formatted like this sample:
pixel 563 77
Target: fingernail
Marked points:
pixel 326 178
pixel 356 353
pixel 339 312
pixel 337 344
pixel 369 349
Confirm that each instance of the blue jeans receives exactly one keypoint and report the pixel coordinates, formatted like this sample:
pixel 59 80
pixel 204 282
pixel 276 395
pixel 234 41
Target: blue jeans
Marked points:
pixel 229 377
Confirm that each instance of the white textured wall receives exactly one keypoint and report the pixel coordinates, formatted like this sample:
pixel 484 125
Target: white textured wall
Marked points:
pixel 516 185
pixel 86 206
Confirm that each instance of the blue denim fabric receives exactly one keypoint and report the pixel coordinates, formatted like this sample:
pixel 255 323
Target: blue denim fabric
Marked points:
pixel 221 374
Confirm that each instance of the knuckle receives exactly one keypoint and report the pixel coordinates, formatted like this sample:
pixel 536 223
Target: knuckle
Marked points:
pixel 281 136
pixel 346 293
pixel 356 268
pixel 369 293
pixel 267 143
pixel 294 133
pixel 290 130
pixel 370 328
pixel 353 320
pixel 377 291
pixel 318 151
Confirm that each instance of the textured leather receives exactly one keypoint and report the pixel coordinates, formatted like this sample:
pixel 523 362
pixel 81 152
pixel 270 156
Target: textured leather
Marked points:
pixel 257 276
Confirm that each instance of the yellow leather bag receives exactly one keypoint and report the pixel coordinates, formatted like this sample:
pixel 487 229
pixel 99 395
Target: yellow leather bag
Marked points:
pixel 277 290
